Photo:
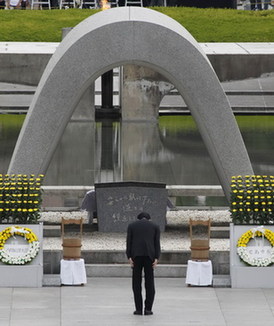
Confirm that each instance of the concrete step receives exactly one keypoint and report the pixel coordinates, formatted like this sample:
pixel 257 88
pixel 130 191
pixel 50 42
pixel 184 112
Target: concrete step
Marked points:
pixel 99 261
pixel 241 102
pixel 18 99
pixel 219 232
pixel 220 281
pixel 237 92
pixel 54 231
pixel 27 90
pixel 15 91
pixel 124 270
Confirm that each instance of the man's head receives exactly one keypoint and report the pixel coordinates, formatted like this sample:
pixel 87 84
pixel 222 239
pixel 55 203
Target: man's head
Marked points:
pixel 143 215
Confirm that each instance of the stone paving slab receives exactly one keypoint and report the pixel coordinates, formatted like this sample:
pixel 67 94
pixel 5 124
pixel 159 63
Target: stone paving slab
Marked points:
pixel 238 48
pixel 8 87
pixel 248 101
pixel 28 47
pixel 15 100
pixel 255 84
pixel 209 48
pixel 109 302
pixel 223 48
pixel 267 83
pixel 247 85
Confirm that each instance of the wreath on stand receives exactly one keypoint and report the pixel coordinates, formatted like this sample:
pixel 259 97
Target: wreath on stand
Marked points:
pixel 28 235
pixel 244 253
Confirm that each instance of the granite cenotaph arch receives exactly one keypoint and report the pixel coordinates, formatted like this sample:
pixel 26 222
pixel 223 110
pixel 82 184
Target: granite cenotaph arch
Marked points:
pixel 130 35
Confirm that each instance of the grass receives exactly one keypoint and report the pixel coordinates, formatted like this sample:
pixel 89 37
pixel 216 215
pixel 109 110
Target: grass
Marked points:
pixel 206 25
pixel 38 25
pixel 262 124
pixel 12 121
pixel 225 25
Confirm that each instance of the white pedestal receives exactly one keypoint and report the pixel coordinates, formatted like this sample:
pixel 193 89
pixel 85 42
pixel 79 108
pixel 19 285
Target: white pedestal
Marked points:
pixel 73 272
pixel 199 273
pixel 28 275
pixel 242 275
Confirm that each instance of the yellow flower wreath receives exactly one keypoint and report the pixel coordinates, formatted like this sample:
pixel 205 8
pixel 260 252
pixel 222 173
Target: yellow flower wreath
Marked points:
pixel 28 235
pixel 243 243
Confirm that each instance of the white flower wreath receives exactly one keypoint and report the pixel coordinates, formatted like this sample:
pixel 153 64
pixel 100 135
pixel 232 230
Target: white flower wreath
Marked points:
pixel 243 252
pixel 28 235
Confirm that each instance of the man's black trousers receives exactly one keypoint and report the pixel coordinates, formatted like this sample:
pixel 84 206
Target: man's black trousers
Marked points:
pixel 143 263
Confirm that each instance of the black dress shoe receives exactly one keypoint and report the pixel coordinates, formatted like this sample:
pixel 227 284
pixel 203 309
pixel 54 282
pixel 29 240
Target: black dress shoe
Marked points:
pixel 148 312
pixel 136 312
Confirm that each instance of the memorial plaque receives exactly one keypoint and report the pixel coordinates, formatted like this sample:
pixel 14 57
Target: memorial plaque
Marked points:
pixel 119 203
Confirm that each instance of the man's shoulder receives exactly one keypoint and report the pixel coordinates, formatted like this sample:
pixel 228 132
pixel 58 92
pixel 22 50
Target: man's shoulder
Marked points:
pixel 143 223
pixel 132 224
pixel 152 225
pixel 156 226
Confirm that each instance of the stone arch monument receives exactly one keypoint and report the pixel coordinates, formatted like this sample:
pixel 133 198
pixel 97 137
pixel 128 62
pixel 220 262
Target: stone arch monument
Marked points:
pixel 130 35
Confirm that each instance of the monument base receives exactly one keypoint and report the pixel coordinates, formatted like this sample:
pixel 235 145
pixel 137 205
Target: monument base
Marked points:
pixel 252 277
pixel 242 275
pixel 21 276
pixel 27 275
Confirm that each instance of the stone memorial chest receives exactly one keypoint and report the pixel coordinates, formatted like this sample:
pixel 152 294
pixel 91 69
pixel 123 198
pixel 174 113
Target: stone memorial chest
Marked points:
pixel 119 203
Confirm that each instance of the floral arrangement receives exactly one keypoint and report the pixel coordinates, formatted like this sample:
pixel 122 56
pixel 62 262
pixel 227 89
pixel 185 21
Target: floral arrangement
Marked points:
pixel 244 252
pixel 28 235
pixel 252 199
pixel 20 198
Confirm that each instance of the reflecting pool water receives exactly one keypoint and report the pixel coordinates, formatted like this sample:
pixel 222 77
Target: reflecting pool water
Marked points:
pixel 171 151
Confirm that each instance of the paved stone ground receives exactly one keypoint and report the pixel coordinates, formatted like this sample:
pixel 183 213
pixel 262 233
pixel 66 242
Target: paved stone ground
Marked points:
pixel 109 302
pixel 254 94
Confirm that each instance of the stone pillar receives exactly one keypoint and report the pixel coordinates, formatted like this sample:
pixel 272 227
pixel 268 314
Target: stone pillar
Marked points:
pixel 142 92
pixel 85 109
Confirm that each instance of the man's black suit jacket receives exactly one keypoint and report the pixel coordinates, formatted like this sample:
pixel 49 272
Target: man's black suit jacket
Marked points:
pixel 143 239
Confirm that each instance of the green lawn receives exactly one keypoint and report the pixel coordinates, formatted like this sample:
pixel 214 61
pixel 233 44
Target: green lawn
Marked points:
pixel 206 25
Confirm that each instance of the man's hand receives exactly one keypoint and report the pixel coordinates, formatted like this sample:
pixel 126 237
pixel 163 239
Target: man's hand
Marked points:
pixel 154 264
pixel 131 262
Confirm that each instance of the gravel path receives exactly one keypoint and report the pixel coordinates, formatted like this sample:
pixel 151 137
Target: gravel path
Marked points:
pixel 172 239
pixel 173 217
pixel 116 241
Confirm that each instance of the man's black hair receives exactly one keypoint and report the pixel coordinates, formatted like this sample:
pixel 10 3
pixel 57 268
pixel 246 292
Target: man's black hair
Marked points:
pixel 143 215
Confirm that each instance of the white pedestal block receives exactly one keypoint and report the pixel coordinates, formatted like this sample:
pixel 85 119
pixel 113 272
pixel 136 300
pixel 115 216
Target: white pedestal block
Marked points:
pixel 242 275
pixel 199 273
pixel 30 274
pixel 73 272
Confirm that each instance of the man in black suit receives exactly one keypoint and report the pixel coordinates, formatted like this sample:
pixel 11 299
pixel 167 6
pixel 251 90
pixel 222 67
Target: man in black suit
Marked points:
pixel 143 251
